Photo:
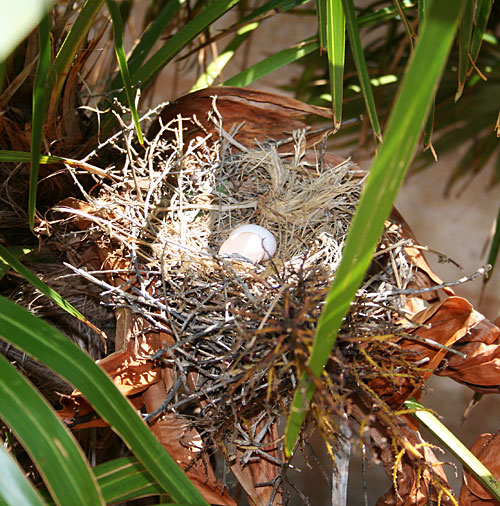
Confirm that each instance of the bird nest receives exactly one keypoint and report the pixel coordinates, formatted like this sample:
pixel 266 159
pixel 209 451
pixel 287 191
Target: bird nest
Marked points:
pixel 240 332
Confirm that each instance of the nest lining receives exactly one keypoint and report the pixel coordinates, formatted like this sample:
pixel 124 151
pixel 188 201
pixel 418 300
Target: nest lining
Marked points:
pixel 242 330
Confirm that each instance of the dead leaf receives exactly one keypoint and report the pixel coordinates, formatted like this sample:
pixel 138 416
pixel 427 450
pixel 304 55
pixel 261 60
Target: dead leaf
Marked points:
pixel 486 448
pixel 480 370
pixel 443 323
pixel 260 115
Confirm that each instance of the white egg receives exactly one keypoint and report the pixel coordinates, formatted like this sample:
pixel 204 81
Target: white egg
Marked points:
pixel 250 241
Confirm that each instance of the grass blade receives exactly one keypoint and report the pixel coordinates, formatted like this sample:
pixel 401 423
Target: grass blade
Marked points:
pixel 215 68
pixel 15 488
pixel 359 61
pixel 25 157
pixel 406 23
pixel 146 73
pixel 483 9
pixel 464 45
pixel 274 62
pixel 17 252
pixel 125 479
pixel 38 117
pixel 403 130
pixel 423 7
pixel 122 63
pixel 66 54
pixel 273 6
pixel 378 16
pixel 50 444
pixel 46 344
pixel 151 36
pixel 448 439
pixel 335 42
pixel 321 14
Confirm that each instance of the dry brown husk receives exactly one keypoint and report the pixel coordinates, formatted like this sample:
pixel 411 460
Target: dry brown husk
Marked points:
pixel 226 340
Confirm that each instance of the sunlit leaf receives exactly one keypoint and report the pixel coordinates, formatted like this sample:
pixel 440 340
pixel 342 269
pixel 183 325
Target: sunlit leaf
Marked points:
pixel 15 488
pixel 335 37
pixel 17 252
pixel 50 444
pixel 38 119
pixel 215 68
pixel 18 19
pixel 272 63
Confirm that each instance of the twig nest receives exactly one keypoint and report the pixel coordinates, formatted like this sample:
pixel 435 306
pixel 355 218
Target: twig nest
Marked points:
pixel 250 241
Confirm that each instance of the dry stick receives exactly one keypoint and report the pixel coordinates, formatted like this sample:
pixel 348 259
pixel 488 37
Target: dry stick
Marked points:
pixel 141 299
pixel 114 137
pixel 482 271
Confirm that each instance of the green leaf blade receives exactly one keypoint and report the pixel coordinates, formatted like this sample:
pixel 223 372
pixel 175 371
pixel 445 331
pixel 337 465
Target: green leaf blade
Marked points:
pixel 146 73
pixel 273 63
pixel 215 68
pixel 9 258
pixel 49 346
pixel 15 488
pixel 125 479
pixel 335 37
pixel 53 449
pixel 38 118
pixel 483 9
pixel 359 61
pixel 123 65
pixel 448 439
pixel 464 45
pixel 66 54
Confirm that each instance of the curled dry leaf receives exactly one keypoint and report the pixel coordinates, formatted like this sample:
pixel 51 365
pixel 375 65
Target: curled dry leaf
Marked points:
pixel 486 448
pixel 480 370
pixel 258 115
pixel 443 323
pixel 186 447
pixel 131 370
pixel 452 323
